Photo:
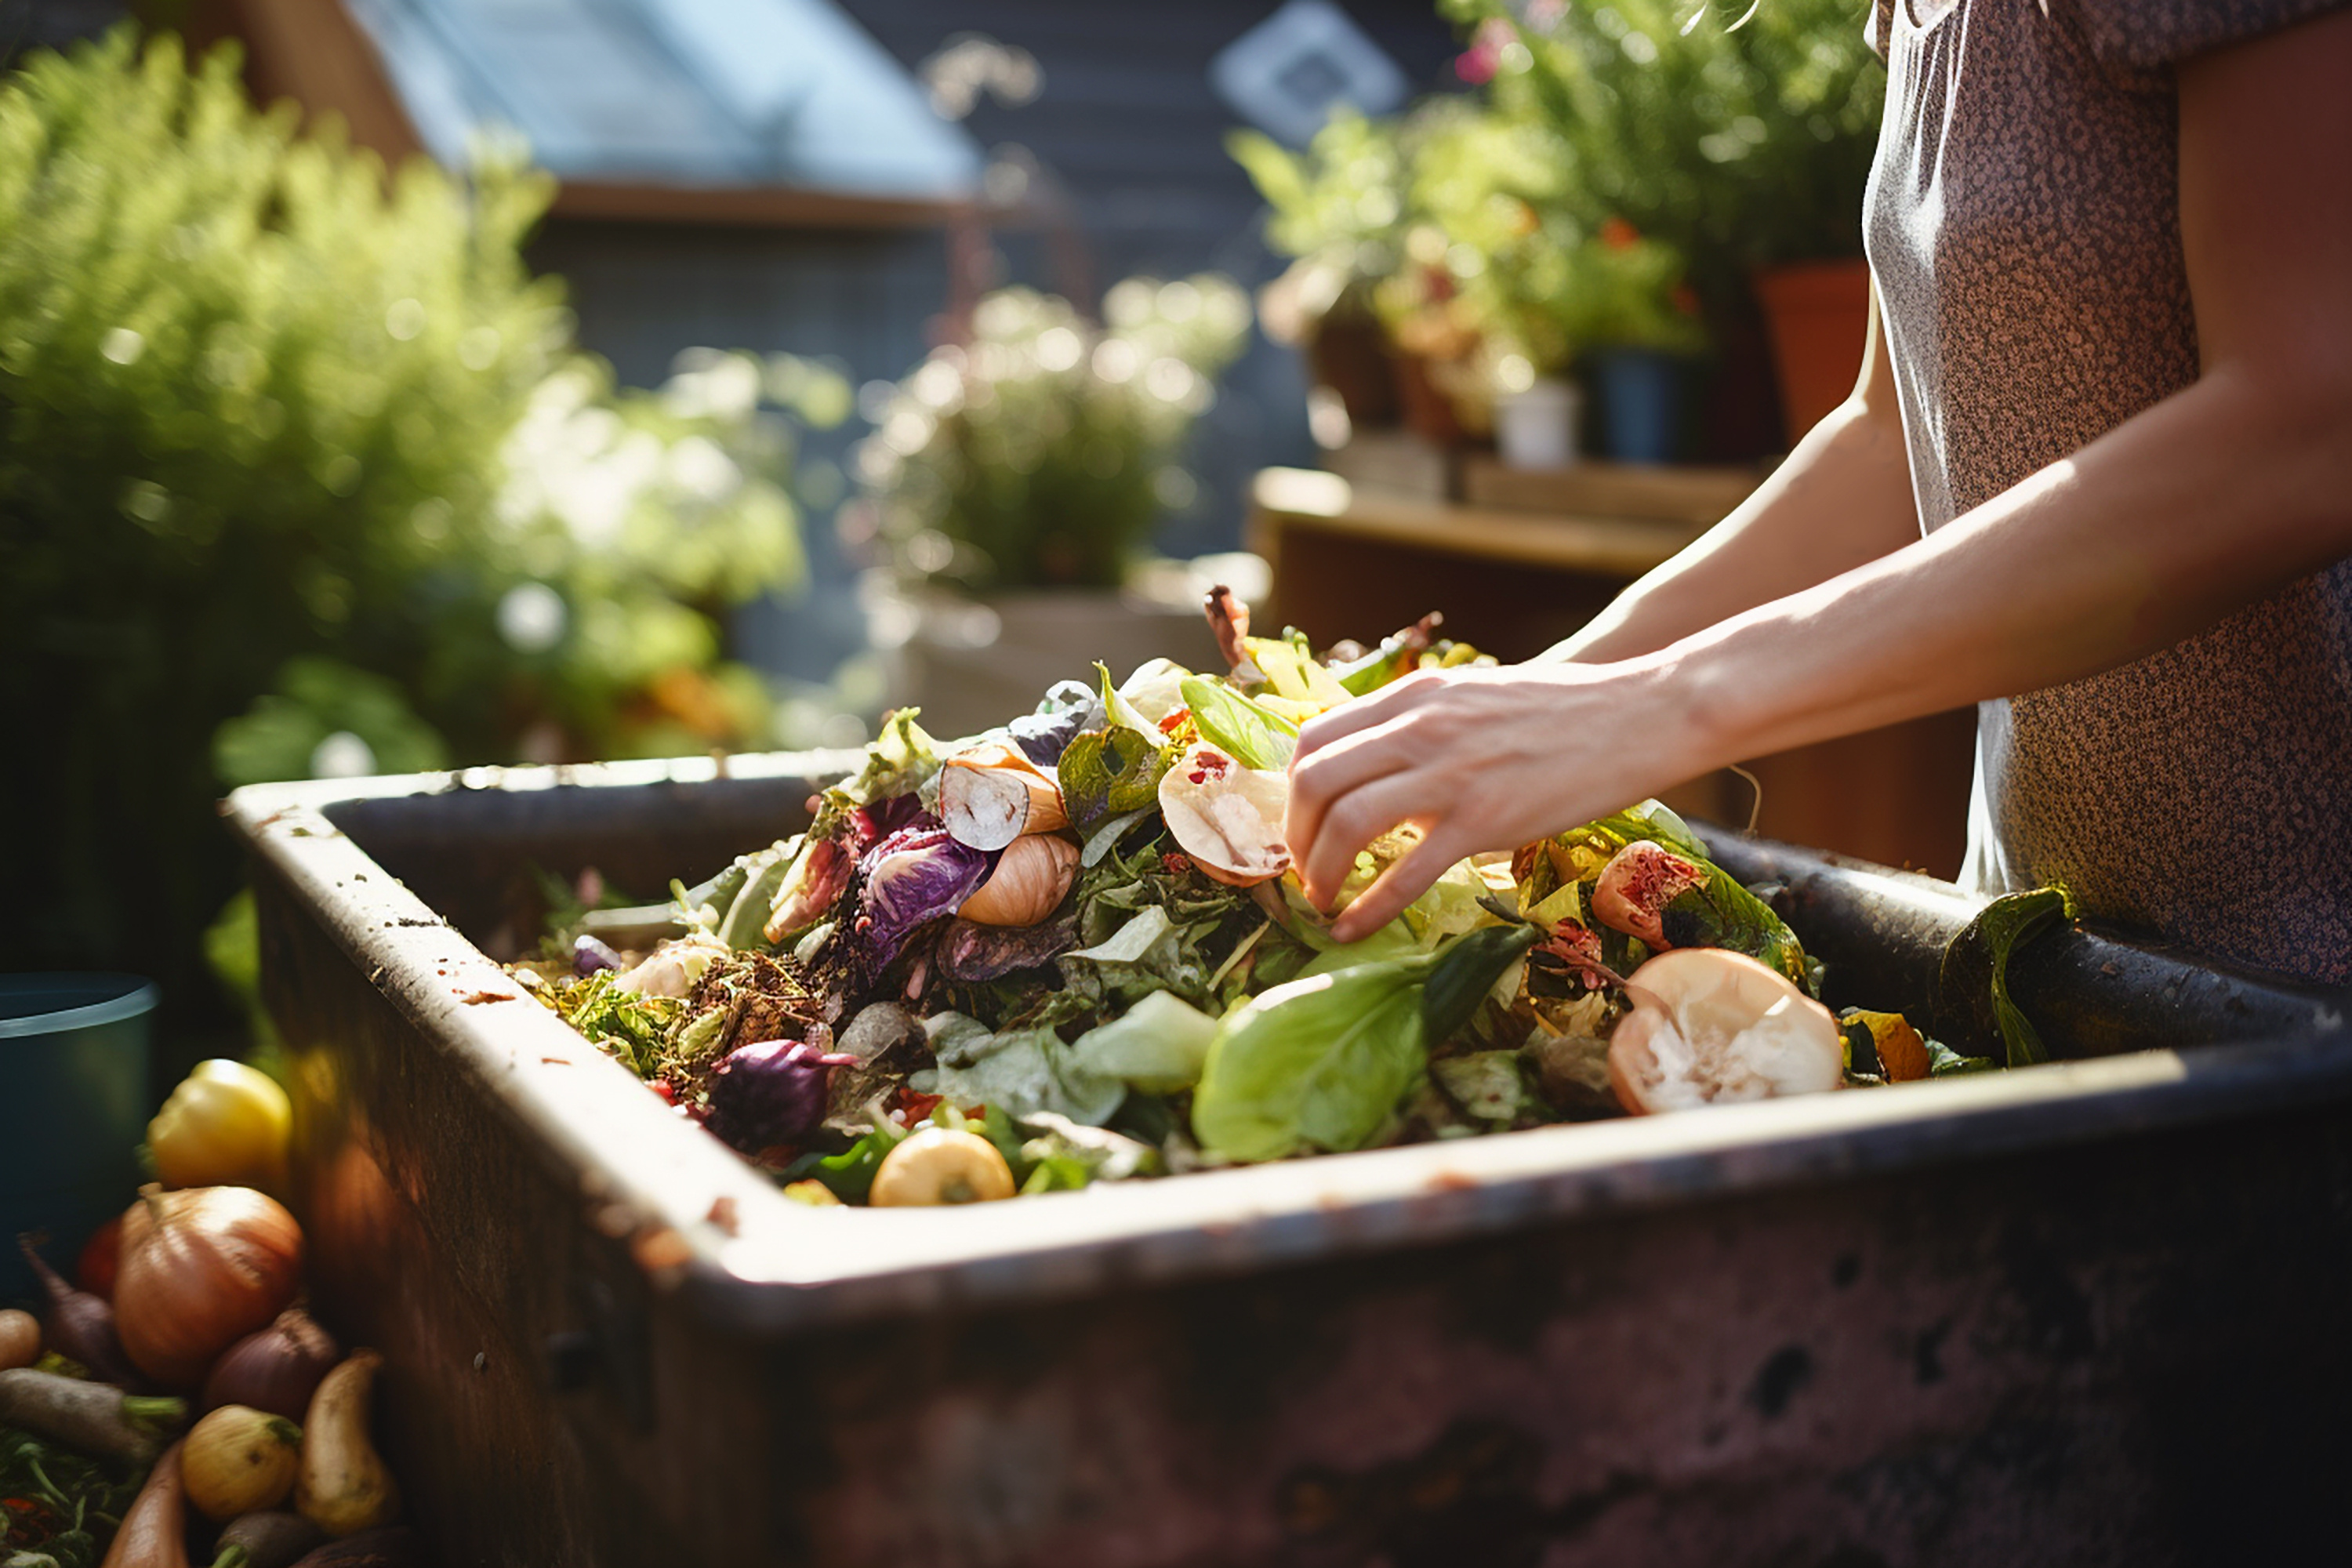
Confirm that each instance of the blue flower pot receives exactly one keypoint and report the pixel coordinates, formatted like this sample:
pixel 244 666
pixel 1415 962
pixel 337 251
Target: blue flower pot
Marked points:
pixel 73 1081
pixel 1641 394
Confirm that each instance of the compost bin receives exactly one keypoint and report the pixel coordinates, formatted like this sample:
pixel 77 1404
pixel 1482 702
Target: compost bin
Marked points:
pixel 2087 1312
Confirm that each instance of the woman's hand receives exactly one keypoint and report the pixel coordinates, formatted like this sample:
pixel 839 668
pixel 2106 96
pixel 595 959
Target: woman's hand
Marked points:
pixel 1476 759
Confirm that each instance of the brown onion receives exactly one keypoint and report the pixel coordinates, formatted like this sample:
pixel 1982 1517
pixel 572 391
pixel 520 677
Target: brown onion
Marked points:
pixel 201 1269
pixel 276 1369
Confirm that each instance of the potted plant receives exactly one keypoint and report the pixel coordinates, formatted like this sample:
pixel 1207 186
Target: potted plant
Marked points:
pixel 1638 328
pixel 1338 210
pixel 1746 147
pixel 1512 290
pixel 1012 483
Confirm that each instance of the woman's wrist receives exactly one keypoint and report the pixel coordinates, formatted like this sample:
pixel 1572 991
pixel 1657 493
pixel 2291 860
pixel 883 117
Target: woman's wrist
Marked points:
pixel 1712 705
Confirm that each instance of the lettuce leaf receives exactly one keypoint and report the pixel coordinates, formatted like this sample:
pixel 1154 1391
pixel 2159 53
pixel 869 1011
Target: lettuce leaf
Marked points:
pixel 1251 735
pixel 1158 1045
pixel 1017 1072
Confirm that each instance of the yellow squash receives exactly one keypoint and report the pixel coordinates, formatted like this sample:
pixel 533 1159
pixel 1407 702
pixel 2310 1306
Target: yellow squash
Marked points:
pixel 225 1126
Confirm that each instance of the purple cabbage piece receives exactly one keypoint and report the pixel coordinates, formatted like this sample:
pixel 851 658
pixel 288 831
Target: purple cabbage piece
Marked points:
pixel 769 1093
pixel 590 954
pixel 916 875
pixel 1070 707
pixel 873 823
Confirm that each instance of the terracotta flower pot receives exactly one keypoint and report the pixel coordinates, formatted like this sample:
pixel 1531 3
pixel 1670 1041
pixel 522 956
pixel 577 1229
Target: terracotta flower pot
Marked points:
pixel 1817 313
pixel 1348 354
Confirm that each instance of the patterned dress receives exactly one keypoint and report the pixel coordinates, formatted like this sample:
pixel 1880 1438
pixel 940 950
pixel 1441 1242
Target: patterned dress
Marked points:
pixel 2023 224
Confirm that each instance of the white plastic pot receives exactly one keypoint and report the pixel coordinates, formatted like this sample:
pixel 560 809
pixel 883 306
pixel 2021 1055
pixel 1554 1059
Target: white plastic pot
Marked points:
pixel 1537 429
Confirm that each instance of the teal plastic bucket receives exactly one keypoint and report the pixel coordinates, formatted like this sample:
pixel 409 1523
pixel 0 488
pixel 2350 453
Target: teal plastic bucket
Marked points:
pixel 74 1102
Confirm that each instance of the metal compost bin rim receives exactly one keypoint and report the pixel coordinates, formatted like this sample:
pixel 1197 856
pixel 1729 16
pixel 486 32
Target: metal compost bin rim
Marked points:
pixel 701 1221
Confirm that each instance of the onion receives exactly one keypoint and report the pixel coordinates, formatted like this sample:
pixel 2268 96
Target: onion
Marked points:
pixel 201 1269
pixel 991 795
pixel 1029 882
pixel 276 1369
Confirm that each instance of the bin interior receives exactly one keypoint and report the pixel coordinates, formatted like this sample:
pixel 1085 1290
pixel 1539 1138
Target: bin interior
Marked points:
pixel 470 856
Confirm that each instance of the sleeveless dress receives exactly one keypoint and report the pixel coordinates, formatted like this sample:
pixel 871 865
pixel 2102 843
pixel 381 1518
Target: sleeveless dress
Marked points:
pixel 2023 224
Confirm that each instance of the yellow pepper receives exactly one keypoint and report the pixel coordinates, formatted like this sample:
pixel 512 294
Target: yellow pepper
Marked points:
pixel 225 1125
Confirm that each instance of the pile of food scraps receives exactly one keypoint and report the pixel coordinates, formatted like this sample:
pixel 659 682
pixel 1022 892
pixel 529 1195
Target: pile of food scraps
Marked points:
pixel 174 1402
pixel 1073 951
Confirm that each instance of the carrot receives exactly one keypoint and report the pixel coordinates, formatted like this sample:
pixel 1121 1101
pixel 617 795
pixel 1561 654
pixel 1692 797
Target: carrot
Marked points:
pixel 154 1532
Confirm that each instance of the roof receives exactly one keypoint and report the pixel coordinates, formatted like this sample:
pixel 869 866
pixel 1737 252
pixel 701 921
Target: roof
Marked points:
pixel 638 107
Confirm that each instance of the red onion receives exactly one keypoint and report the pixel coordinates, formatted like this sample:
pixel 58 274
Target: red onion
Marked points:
pixel 276 1369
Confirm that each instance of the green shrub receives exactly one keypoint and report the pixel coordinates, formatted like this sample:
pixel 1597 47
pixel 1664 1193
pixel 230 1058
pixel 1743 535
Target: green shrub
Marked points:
pixel 1742 142
pixel 292 453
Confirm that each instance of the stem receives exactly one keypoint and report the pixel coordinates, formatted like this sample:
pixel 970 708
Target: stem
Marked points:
pixel 232 1557
pixel 49 1492
pixel 160 1412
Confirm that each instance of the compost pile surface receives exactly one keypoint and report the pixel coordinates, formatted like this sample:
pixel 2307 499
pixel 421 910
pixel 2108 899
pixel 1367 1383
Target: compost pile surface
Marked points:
pixel 1072 951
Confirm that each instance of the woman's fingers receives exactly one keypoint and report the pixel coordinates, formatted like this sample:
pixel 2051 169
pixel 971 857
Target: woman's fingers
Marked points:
pixel 1349 825
pixel 1320 782
pixel 1403 882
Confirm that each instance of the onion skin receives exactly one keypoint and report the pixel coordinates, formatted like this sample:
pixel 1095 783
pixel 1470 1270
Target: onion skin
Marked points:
pixel 1029 883
pixel 276 1369
pixel 201 1269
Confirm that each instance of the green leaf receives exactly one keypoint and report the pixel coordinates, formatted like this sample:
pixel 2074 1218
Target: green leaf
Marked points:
pixel 1318 1063
pixel 1159 1045
pixel 1992 940
pixel 849 1175
pixel 1018 1072
pixel 1725 914
pixel 1150 952
pixel 1944 1062
pixel 1109 773
pixel 1252 735
pixel 1126 715
pixel 1465 970
pixel 1107 833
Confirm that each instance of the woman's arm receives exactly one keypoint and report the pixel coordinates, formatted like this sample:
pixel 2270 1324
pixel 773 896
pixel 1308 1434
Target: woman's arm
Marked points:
pixel 2218 496
pixel 1843 497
